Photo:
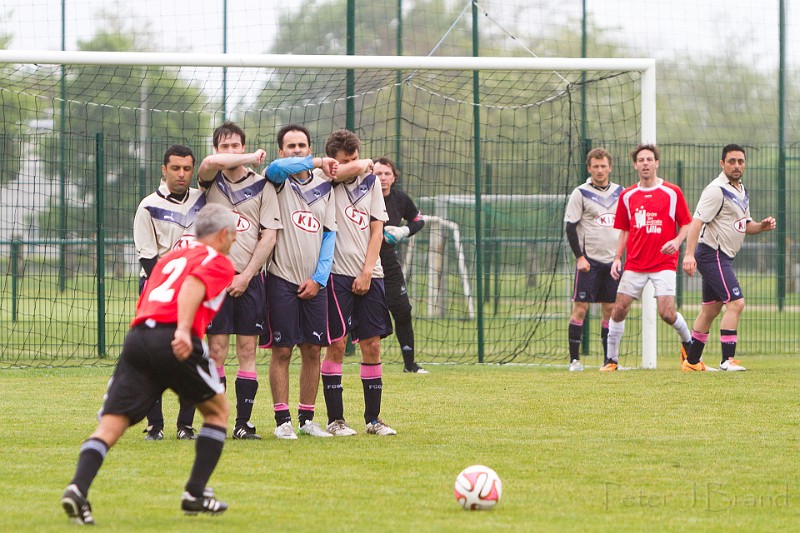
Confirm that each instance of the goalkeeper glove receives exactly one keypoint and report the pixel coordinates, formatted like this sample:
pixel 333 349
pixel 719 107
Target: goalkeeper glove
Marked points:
pixel 395 234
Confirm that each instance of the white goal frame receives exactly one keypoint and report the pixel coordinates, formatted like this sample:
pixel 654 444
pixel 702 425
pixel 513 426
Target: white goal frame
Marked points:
pixel 645 66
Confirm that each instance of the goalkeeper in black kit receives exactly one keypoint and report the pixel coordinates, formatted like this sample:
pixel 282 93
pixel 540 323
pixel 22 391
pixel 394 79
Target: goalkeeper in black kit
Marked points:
pixel 399 207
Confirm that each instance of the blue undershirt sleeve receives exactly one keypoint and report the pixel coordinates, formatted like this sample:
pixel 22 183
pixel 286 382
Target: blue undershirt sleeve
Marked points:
pixel 280 169
pixel 325 258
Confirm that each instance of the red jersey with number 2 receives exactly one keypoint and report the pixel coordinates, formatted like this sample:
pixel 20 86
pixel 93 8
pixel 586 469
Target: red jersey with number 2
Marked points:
pixel 159 300
pixel 651 216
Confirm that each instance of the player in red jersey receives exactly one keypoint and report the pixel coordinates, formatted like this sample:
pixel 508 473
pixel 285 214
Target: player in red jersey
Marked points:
pixel 648 215
pixel 163 350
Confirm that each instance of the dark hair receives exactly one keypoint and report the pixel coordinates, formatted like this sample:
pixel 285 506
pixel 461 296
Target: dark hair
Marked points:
pixel 341 141
pixel 597 153
pixel 732 148
pixel 639 147
pixel 227 129
pixel 178 150
pixel 292 127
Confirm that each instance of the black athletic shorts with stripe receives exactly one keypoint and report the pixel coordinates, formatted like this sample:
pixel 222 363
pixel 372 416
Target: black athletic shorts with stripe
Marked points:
pixel 147 367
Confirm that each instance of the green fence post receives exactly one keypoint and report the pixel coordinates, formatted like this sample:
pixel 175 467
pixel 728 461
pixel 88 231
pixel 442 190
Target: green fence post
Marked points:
pixel 586 147
pixel 14 265
pixel 679 273
pixel 100 246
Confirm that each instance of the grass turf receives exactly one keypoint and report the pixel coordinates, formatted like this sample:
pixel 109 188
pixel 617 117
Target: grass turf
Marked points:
pixel 629 451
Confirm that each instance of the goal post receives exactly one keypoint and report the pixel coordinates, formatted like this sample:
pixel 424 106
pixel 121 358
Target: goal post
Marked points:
pixel 141 101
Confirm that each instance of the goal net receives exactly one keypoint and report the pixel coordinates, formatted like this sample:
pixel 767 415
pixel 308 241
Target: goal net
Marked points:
pixel 488 147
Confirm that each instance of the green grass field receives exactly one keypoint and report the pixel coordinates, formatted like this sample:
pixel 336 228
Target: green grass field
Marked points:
pixel 631 451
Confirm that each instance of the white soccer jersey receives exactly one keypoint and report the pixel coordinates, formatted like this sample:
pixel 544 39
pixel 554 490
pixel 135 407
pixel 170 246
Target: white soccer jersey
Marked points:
pixel 594 210
pixel 356 204
pixel 306 209
pixel 162 222
pixel 725 212
pixel 256 206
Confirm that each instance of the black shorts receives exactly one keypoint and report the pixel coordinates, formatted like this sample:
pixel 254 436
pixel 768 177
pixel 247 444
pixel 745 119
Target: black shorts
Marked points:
pixel 147 367
pixel 595 286
pixel 394 284
pixel 292 320
pixel 243 315
pixel 364 316
pixel 719 281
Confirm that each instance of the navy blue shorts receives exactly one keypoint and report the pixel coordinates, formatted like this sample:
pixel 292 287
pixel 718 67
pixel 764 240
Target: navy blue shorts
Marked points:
pixel 243 315
pixel 292 320
pixel 719 281
pixel 364 316
pixel 595 286
pixel 147 367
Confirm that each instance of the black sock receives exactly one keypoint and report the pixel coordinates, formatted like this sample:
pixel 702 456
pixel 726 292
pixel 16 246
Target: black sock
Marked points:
pixel 245 399
pixel 224 381
pixel 332 390
pixel 208 448
pixel 695 351
pixel 604 341
pixel 155 416
pixel 372 380
pixel 404 331
pixel 282 414
pixel 305 413
pixel 185 413
pixel 575 334
pixel 728 339
pixel 90 459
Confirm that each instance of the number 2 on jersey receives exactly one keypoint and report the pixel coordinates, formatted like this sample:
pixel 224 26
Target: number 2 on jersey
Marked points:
pixel 164 292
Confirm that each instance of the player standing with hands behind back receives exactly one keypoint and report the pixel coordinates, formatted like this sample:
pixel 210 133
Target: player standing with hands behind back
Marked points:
pixel 721 220
pixel 590 231
pixel 648 214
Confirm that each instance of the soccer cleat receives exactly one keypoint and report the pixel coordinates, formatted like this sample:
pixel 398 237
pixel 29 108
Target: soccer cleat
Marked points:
pixel 246 432
pixel 339 428
pixel 206 504
pixel 414 368
pixel 576 366
pixel 377 427
pixel 153 433
pixel 186 433
pixel 731 365
pixel 285 431
pixel 685 350
pixel 76 506
pixel 312 428
pixel 686 366
pixel 610 366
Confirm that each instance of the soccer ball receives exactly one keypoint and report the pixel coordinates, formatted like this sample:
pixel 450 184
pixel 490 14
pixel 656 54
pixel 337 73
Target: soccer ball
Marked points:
pixel 478 488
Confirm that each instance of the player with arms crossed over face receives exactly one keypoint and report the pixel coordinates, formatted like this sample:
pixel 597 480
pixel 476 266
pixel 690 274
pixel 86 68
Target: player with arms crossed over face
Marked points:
pixel 716 234
pixel 298 274
pixel 164 220
pixel 228 182
pixel 399 207
pixel 648 215
pixel 589 219
pixel 356 297
pixel 164 349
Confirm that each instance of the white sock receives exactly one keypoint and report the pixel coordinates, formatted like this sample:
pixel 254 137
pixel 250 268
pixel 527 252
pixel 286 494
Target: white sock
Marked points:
pixel 682 329
pixel 615 331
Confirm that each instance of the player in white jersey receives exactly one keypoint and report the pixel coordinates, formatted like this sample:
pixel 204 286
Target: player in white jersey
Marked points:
pixel 356 296
pixel 589 219
pixel 716 233
pixel 298 274
pixel 228 182
pixel 164 221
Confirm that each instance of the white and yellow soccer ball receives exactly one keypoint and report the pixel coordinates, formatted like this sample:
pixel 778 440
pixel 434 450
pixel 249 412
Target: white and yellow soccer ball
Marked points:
pixel 478 488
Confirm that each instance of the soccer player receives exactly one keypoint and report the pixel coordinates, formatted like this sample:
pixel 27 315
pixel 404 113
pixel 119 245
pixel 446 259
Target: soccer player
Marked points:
pixel 164 220
pixel 716 233
pixel 298 274
pixel 228 182
pixel 399 207
pixel 164 349
pixel 648 214
pixel 589 219
pixel 356 297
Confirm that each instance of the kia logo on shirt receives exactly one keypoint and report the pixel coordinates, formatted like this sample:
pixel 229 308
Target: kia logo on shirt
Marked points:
pixel 740 225
pixel 606 220
pixel 358 217
pixel 242 224
pixel 306 221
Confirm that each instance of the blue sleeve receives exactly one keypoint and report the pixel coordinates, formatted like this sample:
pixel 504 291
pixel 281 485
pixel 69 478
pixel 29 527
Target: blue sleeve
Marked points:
pixel 325 258
pixel 280 169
